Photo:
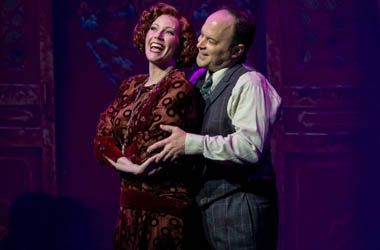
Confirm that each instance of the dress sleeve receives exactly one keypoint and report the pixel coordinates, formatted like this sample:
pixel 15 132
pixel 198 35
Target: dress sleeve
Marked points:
pixel 104 142
pixel 176 105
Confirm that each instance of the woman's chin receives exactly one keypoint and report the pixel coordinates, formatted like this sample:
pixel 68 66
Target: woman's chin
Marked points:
pixel 161 63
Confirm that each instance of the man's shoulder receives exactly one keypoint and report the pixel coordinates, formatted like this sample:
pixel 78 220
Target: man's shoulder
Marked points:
pixel 255 82
pixel 253 76
pixel 238 70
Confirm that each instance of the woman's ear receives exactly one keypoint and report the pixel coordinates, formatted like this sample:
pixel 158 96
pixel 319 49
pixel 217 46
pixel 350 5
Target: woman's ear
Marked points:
pixel 238 50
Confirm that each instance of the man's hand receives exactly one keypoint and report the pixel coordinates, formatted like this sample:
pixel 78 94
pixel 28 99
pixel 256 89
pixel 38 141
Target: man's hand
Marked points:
pixel 173 146
pixel 125 165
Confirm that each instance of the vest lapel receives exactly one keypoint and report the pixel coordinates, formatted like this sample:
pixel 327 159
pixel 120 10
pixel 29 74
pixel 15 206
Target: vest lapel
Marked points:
pixel 221 86
pixel 201 80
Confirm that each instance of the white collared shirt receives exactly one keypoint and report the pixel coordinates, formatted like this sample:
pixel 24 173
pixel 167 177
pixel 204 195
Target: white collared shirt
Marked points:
pixel 216 77
pixel 253 108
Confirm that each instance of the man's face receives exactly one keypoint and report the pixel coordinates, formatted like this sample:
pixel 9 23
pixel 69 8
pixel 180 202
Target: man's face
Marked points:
pixel 214 41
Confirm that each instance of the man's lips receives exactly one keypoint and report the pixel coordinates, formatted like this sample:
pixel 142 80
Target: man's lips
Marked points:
pixel 202 55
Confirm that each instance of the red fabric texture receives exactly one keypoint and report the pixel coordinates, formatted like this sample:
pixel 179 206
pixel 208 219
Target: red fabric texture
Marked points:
pixel 173 101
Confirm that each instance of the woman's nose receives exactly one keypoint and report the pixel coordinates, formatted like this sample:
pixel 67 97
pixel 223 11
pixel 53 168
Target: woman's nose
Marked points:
pixel 160 35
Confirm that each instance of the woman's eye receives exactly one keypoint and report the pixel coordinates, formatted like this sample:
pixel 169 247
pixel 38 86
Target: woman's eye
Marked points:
pixel 170 32
pixel 153 28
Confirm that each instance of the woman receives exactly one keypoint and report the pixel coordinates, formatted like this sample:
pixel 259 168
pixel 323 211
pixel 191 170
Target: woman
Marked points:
pixel 153 204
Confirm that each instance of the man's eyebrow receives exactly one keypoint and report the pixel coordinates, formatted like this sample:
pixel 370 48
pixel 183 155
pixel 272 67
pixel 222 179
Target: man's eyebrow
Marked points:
pixel 208 37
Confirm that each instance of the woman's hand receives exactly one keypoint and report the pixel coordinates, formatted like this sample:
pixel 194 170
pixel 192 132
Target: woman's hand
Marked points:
pixel 123 164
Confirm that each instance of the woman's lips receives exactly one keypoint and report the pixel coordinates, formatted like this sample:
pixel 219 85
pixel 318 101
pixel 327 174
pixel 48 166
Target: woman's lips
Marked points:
pixel 156 47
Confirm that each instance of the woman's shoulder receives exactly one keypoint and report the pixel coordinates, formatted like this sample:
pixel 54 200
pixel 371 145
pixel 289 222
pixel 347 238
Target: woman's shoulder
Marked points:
pixel 179 78
pixel 133 81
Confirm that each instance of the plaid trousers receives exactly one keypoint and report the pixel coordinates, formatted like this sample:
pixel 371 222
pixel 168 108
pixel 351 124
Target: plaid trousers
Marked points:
pixel 236 217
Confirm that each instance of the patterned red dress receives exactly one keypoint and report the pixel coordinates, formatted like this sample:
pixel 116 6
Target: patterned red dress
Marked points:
pixel 152 209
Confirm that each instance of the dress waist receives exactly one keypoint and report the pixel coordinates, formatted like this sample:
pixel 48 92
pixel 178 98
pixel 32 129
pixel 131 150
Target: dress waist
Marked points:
pixel 136 199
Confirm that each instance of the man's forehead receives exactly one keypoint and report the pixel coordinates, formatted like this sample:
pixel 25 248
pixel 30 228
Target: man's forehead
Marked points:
pixel 218 24
pixel 221 17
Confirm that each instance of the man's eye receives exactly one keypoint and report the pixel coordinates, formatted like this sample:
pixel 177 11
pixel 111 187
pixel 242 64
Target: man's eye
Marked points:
pixel 211 41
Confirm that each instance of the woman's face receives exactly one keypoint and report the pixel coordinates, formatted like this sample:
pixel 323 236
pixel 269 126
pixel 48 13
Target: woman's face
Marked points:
pixel 162 40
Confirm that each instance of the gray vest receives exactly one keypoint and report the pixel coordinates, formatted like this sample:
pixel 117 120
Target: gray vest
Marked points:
pixel 221 180
pixel 216 120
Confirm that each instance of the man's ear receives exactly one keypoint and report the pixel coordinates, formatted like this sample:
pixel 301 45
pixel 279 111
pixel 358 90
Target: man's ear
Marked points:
pixel 238 50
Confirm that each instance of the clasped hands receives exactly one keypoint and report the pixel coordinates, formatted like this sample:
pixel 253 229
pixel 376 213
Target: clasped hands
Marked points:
pixel 171 148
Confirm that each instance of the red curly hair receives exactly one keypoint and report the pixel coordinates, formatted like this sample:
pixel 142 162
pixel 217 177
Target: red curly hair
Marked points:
pixel 186 51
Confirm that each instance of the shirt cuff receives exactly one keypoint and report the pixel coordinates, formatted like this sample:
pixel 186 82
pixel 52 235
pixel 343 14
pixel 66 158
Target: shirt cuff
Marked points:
pixel 193 144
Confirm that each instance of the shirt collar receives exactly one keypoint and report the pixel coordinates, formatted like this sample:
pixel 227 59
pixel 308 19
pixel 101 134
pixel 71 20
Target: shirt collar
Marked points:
pixel 217 75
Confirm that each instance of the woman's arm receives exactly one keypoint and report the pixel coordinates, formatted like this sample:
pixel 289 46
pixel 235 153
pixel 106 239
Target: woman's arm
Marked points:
pixel 105 145
pixel 177 107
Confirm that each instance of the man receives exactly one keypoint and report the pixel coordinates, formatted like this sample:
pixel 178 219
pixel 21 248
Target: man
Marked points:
pixel 238 195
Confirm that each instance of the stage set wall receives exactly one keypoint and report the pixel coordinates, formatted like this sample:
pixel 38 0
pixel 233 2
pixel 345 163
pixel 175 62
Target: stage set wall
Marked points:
pixel 61 63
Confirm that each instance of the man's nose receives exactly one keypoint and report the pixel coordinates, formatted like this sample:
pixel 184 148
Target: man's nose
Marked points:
pixel 200 43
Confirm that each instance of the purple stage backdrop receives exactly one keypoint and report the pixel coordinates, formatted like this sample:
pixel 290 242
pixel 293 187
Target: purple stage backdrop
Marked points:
pixel 61 63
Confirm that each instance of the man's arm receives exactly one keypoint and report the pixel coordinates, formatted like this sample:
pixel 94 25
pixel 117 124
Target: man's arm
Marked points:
pixel 253 108
pixel 172 147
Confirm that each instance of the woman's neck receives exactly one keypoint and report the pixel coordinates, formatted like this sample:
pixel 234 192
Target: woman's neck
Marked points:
pixel 157 73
